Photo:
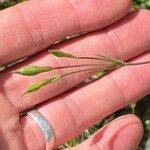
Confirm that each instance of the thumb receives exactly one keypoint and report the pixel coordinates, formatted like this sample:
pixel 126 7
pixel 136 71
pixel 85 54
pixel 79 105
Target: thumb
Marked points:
pixel 124 133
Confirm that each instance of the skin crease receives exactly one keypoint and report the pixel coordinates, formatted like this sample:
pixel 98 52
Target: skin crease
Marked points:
pixel 40 23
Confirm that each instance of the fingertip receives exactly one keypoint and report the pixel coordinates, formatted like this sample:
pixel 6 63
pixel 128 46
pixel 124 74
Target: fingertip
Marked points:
pixel 129 135
pixel 124 133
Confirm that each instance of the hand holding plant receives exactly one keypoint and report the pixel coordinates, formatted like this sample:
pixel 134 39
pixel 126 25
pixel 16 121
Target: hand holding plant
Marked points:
pixel 113 36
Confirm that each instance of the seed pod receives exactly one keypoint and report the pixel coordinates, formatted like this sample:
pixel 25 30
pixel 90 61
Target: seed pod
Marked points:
pixel 37 85
pixel 59 53
pixel 32 70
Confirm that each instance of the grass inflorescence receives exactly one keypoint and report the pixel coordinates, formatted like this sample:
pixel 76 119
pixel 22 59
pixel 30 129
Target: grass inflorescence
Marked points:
pixel 103 63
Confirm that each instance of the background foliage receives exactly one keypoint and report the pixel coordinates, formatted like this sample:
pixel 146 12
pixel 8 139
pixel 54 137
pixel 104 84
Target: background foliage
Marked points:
pixel 141 108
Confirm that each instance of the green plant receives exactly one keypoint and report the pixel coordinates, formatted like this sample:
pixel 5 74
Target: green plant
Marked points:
pixel 141 3
pixel 103 63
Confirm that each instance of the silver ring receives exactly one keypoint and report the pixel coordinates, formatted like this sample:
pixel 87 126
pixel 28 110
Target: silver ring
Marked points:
pixel 44 126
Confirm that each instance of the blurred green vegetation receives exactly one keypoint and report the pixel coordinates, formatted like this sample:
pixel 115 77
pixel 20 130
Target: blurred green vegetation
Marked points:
pixel 8 3
pixel 141 3
pixel 141 108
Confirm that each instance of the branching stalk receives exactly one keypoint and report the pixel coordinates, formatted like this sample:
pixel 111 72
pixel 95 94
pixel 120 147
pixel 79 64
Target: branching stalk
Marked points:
pixel 39 84
pixel 104 64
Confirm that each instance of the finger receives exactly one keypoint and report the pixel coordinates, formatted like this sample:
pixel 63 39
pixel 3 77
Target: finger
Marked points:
pixel 124 133
pixel 9 126
pixel 101 42
pixel 73 112
pixel 37 24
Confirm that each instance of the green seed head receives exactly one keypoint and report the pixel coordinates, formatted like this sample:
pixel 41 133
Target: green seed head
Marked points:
pixel 32 70
pixel 37 85
pixel 59 53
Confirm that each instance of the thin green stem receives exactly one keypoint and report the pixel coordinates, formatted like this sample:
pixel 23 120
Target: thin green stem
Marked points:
pixel 83 70
pixel 138 63
pixel 105 57
pixel 84 65
pixel 93 58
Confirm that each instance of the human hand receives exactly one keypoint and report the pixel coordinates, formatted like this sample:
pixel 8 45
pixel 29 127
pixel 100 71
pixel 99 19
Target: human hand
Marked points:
pixel 34 26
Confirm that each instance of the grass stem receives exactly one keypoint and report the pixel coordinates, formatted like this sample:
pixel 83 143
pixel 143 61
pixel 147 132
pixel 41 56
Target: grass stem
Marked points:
pixel 138 63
